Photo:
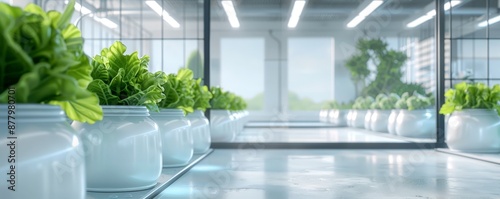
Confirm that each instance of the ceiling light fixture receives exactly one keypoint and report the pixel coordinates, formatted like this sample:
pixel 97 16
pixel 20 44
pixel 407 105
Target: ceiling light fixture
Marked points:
pixel 372 6
pixel 85 11
pixel 298 6
pixel 160 11
pixel 489 21
pixel 231 13
pixel 429 15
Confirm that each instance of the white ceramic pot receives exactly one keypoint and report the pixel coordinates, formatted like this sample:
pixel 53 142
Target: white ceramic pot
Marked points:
pixel 43 158
pixel 222 126
pixel 474 130
pixel 379 120
pixel 338 117
pixel 368 118
pixel 323 115
pixel 350 118
pixel 123 151
pixel 238 117
pixel 176 137
pixel 391 123
pixel 358 118
pixel 200 130
pixel 416 123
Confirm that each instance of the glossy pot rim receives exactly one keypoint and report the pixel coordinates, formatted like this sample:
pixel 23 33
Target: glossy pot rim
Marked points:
pixel 123 110
pixel 31 112
pixel 417 111
pixel 475 112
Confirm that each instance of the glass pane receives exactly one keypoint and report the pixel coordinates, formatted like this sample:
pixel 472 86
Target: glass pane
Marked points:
pixel 494 59
pixel 242 69
pixel 311 72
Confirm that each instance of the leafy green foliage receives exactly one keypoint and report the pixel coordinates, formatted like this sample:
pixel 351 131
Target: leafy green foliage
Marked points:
pixel 385 102
pixel 471 96
pixel 338 106
pixel 202 96
pixel 179 91
pixel 226 100
pixel 414 101
pixel 121 79
pixel 388 64
pixel 41 56
pixel 410 88
pixel 363 102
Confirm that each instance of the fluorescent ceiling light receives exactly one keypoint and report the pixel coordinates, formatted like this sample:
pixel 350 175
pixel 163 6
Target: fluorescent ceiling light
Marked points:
pixel 370 8
pixel 106 22
pixel 354 22
pixel 82 9
pixel 298 6
pixel 364 13
pixel 85 11
pixel 231 13
pixel 429 15
pixel 447 5
pixel 160 11
pixel 490 21
pixel 419 21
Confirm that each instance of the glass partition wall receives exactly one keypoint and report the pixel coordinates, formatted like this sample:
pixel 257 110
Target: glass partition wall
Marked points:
pixel 288 58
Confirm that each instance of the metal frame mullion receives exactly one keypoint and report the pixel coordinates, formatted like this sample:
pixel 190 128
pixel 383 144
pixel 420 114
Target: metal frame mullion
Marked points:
pixel 440 70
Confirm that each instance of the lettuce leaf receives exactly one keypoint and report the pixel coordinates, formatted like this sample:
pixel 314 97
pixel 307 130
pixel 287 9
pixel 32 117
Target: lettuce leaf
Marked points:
pixel 471 96
pixel 226 100
pixel 42 57
pixel 179 92
pixel 122 79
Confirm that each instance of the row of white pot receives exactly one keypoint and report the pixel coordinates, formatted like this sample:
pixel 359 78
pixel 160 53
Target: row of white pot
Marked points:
pixel 225 125
pixel 415 123
pixel 470 130
pixel 124 152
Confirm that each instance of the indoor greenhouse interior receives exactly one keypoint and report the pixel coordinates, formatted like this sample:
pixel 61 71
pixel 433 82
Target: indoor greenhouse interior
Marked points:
pixel 223 99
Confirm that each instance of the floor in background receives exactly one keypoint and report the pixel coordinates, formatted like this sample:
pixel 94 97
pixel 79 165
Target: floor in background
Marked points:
pixel 338 134
pixel 324 174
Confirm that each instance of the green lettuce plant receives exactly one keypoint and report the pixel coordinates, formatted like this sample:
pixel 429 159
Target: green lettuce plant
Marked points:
pixel 414 101
pixel 363 103
pixel 385 102
pixel 226 100
pixel 121 79
pixel 179 91
pixel 471 96
pixel 42 58
pixel 202 96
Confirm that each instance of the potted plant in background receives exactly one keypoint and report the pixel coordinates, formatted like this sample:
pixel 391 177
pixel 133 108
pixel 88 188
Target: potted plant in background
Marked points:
pixel 400 104
pixel 416 117
pixel 360 107
pixel 237 105
pixel 44 79
pixel 126 143
pixel 380 116
pixel 177 139
pixel 200 126
pixel 402 90
pixel 338 114
pixel 221 118
pixel 474 124
pixel 373 107
pixel 224 123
